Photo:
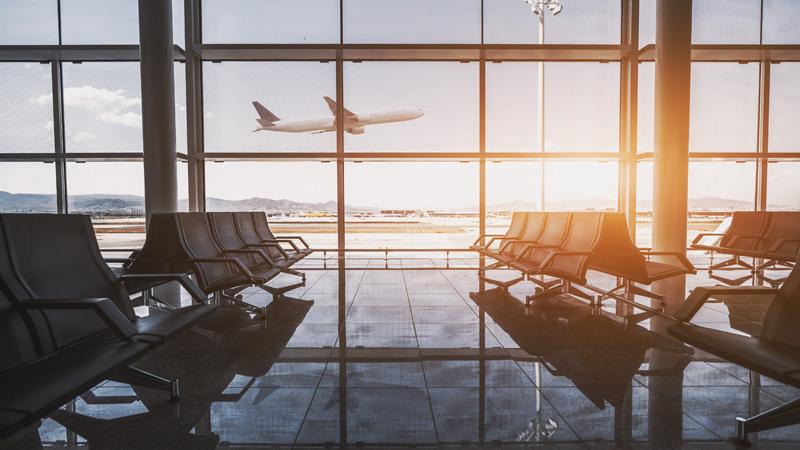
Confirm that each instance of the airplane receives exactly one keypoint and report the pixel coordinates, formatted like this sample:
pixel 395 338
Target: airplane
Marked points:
pixel 353 123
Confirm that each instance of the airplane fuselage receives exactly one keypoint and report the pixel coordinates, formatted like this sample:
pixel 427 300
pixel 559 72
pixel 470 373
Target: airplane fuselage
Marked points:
pixel 351 123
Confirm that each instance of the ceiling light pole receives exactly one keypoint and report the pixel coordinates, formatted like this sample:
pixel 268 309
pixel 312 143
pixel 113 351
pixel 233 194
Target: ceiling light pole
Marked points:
pixel 539 8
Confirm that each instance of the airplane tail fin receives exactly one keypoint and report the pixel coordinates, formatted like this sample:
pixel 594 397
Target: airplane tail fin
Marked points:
pixel 265 114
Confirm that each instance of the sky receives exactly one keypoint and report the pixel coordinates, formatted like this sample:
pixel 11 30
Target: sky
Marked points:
pixel 103 100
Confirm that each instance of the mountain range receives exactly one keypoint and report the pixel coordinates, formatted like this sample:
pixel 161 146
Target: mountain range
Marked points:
pixel 120 204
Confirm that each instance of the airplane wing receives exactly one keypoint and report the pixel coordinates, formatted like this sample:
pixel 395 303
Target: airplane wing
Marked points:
pixel 332 105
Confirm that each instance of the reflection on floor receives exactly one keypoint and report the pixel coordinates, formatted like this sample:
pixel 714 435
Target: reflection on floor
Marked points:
pixel 424 357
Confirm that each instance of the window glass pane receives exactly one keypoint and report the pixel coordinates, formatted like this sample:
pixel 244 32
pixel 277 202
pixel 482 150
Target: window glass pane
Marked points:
pixel 647 22
pixel 511 107
pixel 291 91
pixel 300 197
pixel 511 186
pixel 579 22
pixel 412 106
pixel 387 210
pixel 113 194
pixel 716 189
pixel 180 108
pixel 645 126
pixel 271 21
pixel 784 107
pixel 783 185
pixel 412 21
pixel 581 107
pixel 100 22
pixel 26 108
pixel 183 185
pixel 178 24
pixel 780 22
pixel 580 185
pixel 102 107
pixel 644 204
pixel 724 107
pixel 29 22
pixel 27 187
pixel 726 21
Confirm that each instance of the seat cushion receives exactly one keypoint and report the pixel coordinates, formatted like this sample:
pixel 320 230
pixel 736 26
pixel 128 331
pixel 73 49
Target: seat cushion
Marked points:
pixel 44 385
pixel 771 359
pixel 161 326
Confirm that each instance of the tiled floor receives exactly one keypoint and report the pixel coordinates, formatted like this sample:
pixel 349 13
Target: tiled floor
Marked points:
pixel 421 357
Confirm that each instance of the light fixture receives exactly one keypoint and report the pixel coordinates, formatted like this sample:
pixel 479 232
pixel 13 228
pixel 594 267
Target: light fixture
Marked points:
pixel 538 6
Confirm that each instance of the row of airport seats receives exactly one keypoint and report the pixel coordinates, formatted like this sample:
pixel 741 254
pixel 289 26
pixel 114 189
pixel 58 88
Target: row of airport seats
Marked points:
pixel 773 237
pixel 226 252
pixel 67 321
pixel 565 245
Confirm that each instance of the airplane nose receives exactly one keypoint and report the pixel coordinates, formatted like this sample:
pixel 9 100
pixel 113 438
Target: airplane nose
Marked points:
pixel 419 112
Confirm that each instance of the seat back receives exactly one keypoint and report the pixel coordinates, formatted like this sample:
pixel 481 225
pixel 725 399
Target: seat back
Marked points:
pixel 783 314
pixel 247 229
pixel 162 251
pixel 584 231
pixel 517 226
pixel 556 228
pixel 223 224
pixel 615 253
pixel 534 226
pixel 744 225
pixel 198 241
pixel 16 341
pixel 56 256
pixel 262 225
pixel 783 225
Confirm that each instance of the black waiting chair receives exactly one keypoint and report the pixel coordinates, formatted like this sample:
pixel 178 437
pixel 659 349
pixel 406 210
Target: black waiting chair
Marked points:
pixel 221 272
pixel 515 230
pixel 66 322
pixel 774 351
pixel 252 238
pixel 262 227
pixel 511 249
pixel 226 232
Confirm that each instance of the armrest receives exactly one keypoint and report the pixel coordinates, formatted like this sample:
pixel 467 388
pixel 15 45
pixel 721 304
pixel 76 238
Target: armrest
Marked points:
pixel 103 307
pixel 290 242
pixel 700 236
pixel 117 260
pixel 300 238
pixel 530 247
pixel 235 261
pixel 680 256
pixel 191 287
pixel 250 251
pixel 273 245
pixel 484 236
pixel 700 295
pixel 552 256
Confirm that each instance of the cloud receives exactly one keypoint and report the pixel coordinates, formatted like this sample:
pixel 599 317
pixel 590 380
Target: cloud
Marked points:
pixel 83 136
pixel 48 125
pixel 108 106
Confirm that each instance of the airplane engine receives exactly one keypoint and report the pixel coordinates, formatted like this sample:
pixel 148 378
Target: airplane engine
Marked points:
pixel 359 130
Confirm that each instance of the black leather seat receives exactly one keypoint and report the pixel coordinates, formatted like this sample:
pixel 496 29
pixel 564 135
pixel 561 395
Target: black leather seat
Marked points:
pixel 56 256
pixel 262 227
pixel 252 238
pixel 774 352
pixel 511 248
pixel 533 255
pixel 514 232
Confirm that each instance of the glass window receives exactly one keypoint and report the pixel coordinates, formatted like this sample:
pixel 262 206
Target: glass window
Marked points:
pixel 271 22
pixel 511 107
pixel 300 197
pixel 183 185
pixel 412 21
pixel 412 106
pixel 29 22
pixel 580 185
pixel 716 189
pixel 180 108
pixel 645 125
pixel 783 185
pixel 780 22
pixel 581 107
pixel 579 22
pixel 113 194
pixel 26 108
pixel 293 92
pixel 724 107
pixel 647 22
pixel 100 22
pixel 784 107
pixel 511 186
pixel 385 209
pixel 726 21
pixel 178 24
pixel 27 187
pixel 102 107
pixel 644 203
